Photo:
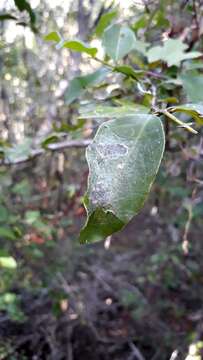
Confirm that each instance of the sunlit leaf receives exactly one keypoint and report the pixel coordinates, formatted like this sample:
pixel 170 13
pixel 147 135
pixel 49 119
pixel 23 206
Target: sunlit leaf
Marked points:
pixel 118 41
pixel 8 262
pixel 172 52
pixel 79 46
pixel 105 21
pixel 123 160
pixel 53 36
pixel 141 22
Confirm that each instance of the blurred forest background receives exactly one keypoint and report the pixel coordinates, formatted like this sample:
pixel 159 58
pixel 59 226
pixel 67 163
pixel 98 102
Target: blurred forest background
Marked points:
pixel 139 294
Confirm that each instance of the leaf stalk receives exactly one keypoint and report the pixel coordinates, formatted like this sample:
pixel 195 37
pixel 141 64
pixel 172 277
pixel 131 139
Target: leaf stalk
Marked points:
pixel 178 121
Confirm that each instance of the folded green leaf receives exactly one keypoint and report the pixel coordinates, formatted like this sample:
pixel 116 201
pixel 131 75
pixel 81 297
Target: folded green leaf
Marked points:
pixel 79 46
pixel 129 71
pixel 80 84
pixel 118 41
pixel 101 224
pixel 193 110
pixel 123 160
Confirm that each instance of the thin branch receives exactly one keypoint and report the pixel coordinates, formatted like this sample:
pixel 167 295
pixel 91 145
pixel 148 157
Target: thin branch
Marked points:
pixel 51 147
pixel 177 121
pixel 136 354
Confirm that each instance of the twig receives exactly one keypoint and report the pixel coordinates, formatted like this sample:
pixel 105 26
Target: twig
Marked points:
pixel 174 355
pixel 52 147
pixel 136 354
pixel 177 121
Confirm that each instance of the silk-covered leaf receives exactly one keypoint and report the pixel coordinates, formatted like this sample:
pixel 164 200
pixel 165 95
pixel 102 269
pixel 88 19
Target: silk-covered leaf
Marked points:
pixel 4 214
pixel 80 84
pixel 193 85
pixel 104 21
pixel 106 111
pixel 79 46
pixel 118 41
pixel 193 110
pixel 123 160
pixel 172 52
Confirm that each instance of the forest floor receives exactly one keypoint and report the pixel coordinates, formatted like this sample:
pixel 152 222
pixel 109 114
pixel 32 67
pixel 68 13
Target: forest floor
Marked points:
pixel 140 299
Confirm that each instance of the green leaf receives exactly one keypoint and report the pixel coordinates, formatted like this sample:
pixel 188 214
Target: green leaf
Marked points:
pixel 23 188
pixel 193 110
pixel 100 224
pixel 193 65
pixel 118 41
pixel 80 84
pixel 106 111
pixel 4 214
pixel 7 17
pixel 193 85
pixel 123 160
pixel 64 127
pixel 8 262
pixel 51 139
pixel 21 150
pixel 7 233
pixel 105 21
pixel 79 46
pixel 172 52
pixel 31 216
pixel 141 22
pixel 53 36
pixel 129 71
